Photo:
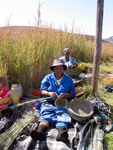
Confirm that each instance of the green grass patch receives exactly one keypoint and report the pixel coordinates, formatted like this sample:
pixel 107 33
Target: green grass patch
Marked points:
pixel 108 138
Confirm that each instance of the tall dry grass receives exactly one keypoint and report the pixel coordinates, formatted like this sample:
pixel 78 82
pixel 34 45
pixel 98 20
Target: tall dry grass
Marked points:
pixel 107 52
pixel 27 52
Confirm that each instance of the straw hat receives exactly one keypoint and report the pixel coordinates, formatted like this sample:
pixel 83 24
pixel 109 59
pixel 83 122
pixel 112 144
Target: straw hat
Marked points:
pixel 79 91
pixel 80 109
pixel 58 62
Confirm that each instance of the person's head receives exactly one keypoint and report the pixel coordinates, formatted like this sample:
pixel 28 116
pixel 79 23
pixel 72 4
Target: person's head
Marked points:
pixel 58 67
pixel 66 51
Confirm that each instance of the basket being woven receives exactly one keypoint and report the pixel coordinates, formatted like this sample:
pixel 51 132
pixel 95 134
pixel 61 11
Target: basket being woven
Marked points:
pixel 76 71
pixel 61 103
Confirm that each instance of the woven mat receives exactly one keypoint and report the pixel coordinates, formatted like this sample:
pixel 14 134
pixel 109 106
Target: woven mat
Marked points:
pixel 49 143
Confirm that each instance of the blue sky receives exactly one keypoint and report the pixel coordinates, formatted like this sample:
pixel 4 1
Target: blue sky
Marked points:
pixel 60 14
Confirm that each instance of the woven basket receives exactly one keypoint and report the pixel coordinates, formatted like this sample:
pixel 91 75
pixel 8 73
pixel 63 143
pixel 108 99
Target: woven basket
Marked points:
pixel 60 103
pixel 80 109
pixel 76 71
pixel 79 91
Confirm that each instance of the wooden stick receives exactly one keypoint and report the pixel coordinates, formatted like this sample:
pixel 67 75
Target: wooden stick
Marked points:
pixel 33 100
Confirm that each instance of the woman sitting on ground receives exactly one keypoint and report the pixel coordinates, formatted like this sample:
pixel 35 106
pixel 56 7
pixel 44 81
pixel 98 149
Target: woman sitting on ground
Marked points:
pixel 54 85
pixel 69 61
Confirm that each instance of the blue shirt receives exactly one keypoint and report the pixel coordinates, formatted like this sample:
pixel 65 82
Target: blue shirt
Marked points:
pixel 65 86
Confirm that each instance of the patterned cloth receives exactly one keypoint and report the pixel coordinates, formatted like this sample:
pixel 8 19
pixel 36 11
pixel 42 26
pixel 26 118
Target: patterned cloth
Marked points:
pixel 26 143
pixel 102 120
pixel 102 114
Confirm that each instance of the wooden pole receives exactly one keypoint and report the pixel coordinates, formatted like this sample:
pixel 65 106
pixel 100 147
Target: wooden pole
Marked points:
pixel 97 53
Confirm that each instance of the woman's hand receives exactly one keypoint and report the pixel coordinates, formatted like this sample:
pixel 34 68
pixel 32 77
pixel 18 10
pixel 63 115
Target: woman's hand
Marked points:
pixel 53 95
pixel 66 95
pixel 73 66
pixel 47 93
pixel 69 67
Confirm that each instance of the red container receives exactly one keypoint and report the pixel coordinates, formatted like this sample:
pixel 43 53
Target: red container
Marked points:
pixel 4 98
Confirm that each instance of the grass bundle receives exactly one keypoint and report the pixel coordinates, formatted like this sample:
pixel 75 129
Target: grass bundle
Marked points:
pixel 7 138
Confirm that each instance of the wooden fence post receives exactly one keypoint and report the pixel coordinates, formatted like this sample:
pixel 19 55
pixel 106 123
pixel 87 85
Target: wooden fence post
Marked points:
pixel 97 53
